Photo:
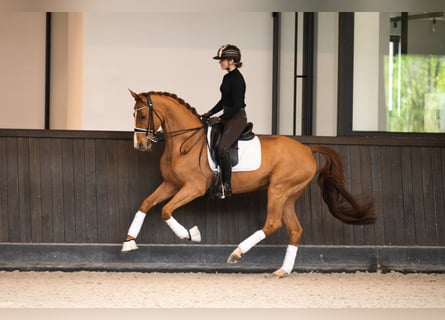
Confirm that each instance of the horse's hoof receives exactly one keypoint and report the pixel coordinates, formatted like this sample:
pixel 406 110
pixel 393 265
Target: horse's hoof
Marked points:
pixel 129 245
pixel 235 256
pixel 195 235
pixel 280 273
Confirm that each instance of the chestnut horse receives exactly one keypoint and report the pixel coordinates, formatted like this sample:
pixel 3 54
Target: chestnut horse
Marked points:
pixel 287 167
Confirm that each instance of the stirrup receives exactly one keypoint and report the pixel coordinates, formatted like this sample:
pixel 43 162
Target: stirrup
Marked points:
pixel 225 191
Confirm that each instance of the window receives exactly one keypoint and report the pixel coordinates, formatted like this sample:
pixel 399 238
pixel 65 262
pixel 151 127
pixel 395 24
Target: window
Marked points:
pixel 414 83
pixel 398 72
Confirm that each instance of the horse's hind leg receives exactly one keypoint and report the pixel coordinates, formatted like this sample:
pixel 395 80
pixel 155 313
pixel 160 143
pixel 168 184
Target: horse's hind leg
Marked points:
pixel 295 231
pixel 275 203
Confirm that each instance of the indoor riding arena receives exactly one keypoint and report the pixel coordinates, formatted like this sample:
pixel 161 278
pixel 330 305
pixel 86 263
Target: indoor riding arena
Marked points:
pixel 367 83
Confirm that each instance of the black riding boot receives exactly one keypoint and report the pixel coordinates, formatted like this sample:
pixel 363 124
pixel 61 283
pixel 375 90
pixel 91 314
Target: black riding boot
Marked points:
pixel 226 175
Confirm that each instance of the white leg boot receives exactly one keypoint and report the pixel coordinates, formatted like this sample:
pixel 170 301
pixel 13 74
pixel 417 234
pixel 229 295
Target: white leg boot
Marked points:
pixel 133 232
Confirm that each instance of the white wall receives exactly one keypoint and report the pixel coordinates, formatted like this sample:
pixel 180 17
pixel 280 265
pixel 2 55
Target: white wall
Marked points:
pixel 366 71
pixel 286 114
pixel 22 70
pixel 105 53
pixel 66 70
pixel 286 73
pixel 326 73
pixel 371 43
pixel 171 52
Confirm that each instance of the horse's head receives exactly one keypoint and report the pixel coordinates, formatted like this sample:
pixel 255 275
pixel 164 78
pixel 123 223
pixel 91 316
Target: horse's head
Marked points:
pixel 146 122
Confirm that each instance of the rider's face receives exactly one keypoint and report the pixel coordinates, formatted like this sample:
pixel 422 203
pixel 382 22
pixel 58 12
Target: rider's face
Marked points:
pixel 226 64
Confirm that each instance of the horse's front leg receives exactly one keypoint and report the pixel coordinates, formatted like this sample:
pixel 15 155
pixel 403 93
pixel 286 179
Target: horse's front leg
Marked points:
pixel 163 192
pixel 185 195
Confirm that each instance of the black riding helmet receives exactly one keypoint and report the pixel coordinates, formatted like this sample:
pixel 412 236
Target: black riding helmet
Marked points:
pixel 228 51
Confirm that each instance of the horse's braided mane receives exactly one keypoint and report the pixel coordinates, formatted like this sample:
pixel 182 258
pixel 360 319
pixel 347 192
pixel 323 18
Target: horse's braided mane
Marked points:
pixel 178 99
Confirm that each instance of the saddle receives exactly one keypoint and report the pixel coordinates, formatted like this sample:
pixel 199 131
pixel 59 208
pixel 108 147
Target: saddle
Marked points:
pixel 215 138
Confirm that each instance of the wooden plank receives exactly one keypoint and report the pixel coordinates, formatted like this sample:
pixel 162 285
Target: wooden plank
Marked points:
pixel 101 191
pixel 428 195
pixel 387 196
pixel 112 190
pixel 35 190
pixel 68 187
pixel 47 214
pixel 393 209
pixel 438 193
pixel 12 190
pixel 408 197
pixel 377 191
pixel 418 198
pixel 24 189
pixel 4 216
pixel 91 191
pixel 80 195
pixel 211 226
pixel 441 212
pixel 228 231
pixel 124 194
pixel 57 189
pixel 236 222
pixel 366 191
pixel 222 236
pixel 397 198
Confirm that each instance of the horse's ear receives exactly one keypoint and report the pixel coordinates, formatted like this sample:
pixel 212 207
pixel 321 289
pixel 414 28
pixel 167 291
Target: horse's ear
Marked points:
pixel 134 94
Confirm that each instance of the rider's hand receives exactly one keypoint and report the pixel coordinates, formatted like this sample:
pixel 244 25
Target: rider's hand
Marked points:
pixel 214 120
pixel 205 116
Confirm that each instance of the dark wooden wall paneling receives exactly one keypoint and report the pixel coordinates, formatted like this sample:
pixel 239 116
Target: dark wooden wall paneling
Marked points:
pixel 84 187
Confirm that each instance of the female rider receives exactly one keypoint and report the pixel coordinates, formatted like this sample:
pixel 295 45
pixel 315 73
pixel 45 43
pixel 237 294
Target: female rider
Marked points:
pixel 233 118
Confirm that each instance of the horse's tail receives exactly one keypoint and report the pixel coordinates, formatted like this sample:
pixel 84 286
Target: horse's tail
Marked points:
pixel 340 202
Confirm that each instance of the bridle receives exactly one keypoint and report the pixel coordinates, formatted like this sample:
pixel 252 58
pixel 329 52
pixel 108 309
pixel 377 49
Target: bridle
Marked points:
pixel 156 136
pixel 150 132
